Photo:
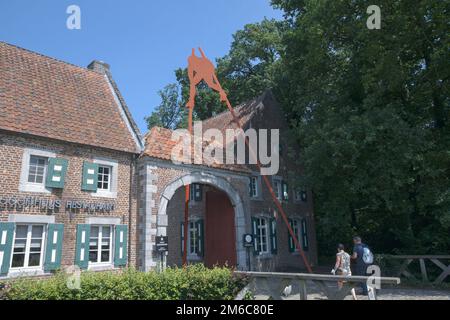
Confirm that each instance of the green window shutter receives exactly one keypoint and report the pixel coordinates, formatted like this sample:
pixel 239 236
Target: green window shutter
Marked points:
pixel 182 238
pixel 121 245
pixel 198 192
pixel 82 246
pixel 291 241
pixel 56 173
pixel 53 249
pixel 305 235
pixel 273 236
pixel 255 235
pixel 201 238
pixel 6 244
pixel 285 191
pixel 90 176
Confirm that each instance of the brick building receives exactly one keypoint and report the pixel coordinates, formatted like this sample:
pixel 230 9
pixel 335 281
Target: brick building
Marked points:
pixel 68 146
pixel 227 201
pixel 79 186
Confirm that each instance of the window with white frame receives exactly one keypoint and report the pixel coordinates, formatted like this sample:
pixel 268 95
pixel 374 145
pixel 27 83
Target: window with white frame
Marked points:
pixel 100 244
pixel 36 169
pixel 253 187
pixel 28 246
pixel 262 234
pixel 104 178
pixel 107 178
pixel 277 188
pixel 193 239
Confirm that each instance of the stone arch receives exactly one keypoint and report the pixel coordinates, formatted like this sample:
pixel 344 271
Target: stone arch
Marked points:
pixel 217 182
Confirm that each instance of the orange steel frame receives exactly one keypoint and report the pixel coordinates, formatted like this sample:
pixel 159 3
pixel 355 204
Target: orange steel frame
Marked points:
pixel 204 71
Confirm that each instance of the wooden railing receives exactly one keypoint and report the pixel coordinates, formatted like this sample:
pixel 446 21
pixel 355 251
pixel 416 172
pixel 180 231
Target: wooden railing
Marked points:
pixel 403 271
pixel 273 284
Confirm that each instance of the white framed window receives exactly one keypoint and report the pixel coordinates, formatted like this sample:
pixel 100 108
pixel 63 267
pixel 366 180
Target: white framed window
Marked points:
pixel 34 170
pixel 262 233
pixel 108 171
pixel 277 188
pixel 37 169
pixel 104 178
pixel 254 187
pixel 28 248
pixel 193 239
pixel 100 245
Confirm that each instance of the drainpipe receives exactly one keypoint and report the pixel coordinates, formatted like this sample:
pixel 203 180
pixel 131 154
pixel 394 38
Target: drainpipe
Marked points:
pixel 130 201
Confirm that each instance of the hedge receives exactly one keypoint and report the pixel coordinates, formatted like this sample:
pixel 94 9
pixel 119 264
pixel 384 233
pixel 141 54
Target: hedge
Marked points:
pixel 192 283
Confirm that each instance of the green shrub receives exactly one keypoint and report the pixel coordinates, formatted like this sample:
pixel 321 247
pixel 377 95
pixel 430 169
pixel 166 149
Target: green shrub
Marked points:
pixel 192 283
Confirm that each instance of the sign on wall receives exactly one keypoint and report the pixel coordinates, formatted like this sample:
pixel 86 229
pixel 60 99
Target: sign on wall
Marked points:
pixel 19 203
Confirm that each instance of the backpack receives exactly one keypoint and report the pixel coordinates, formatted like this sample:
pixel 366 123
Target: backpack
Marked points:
pixel 367 255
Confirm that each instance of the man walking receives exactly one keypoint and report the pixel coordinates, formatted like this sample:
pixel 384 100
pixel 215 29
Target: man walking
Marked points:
pixel 363 258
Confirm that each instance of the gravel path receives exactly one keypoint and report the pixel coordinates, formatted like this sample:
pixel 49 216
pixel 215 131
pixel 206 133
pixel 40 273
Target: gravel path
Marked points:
pixel 385 294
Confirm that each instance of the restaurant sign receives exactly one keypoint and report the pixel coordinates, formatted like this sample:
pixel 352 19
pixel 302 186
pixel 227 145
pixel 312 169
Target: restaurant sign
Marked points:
pixel 37 203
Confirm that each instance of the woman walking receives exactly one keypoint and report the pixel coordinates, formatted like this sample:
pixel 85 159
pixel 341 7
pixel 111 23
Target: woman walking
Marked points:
pixel 342 266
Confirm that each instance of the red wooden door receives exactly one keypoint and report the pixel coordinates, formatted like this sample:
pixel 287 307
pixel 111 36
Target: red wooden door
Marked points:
pixel 220 239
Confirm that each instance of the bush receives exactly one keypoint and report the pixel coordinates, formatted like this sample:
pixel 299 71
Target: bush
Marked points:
pixel 192 283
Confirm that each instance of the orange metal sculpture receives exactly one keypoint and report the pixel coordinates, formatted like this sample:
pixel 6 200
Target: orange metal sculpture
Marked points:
pixel 202 69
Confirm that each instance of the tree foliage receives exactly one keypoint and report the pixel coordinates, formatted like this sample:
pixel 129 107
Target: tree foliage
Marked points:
pixel 370 110
pixel 245 72
pixel 169 114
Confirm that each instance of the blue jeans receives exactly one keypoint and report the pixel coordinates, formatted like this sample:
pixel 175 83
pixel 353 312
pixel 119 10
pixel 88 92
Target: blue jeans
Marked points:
pixel 361 270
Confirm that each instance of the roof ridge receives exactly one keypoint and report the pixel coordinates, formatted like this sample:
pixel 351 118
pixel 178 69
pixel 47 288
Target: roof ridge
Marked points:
pixel 226 111
pixel 48 57
pixel 260 97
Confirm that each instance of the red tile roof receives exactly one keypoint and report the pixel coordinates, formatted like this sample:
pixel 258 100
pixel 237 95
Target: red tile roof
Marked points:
pixel 46 97
pixel 159 143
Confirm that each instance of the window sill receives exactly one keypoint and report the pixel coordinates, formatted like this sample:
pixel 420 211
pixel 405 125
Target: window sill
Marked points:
pixel 26 272
pixel 35 188
pixel 194 258
pixel 264 256
pixel 105 194
pixel 101 267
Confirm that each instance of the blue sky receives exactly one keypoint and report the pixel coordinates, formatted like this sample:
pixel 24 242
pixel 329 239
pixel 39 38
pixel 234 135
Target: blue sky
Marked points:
pixel 143 41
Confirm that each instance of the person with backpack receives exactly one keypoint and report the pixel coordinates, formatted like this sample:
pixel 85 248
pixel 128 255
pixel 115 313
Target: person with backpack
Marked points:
pixel 363 258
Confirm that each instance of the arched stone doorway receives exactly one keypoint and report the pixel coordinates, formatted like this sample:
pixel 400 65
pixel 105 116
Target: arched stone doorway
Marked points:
pixel 218 183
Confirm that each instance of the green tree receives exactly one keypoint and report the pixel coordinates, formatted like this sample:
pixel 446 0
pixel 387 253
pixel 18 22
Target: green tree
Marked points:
pixel 253 61
pixel 370 111
pixel 245 72
pixel 169 114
